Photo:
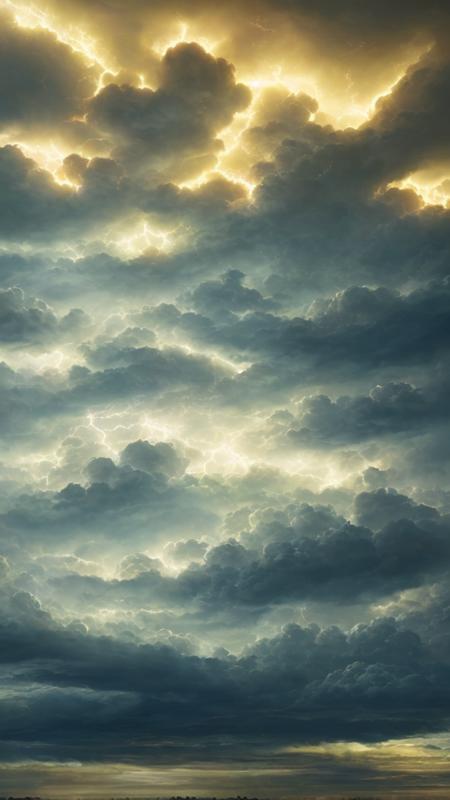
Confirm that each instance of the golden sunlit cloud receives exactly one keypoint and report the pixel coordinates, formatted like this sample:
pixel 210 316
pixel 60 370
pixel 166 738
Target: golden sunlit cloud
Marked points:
pixel 185 33
pixel 218 171
pixel 48 156
pixel 416 755
pixel 278 77
pixel 432 194
pixel 359 114
pixel 29 16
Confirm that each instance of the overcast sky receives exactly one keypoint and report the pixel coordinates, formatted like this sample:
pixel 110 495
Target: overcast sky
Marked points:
pixel 225 338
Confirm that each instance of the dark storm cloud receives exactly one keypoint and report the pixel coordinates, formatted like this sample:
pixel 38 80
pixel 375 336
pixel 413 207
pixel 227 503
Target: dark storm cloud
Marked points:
pixel 388 410
pixel 100 191
pixel 380 508
pixel 33 321
pixel 335 170
pixel 410 123
pixel 42 81
pixel 95 275
pixel 139 372
pixel 154 458
pixel 427 612
pixel 405 247
pixel 33 206
pixel 227 295
pixel 357 332
pixel 279 115
pixel 323 38
pixel 428 459
pixel 320 675
pixel 304 323
pixel 104 186
pixel 25 401
pixel 142 497
pixel 335 182
pixel 307 558
pixel 174 128
pixel 314 180
pixel 30 199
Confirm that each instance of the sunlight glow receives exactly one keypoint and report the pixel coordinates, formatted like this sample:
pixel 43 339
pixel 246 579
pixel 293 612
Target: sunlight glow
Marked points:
pixel 432 194
pixel 139 239
pixel 27 16
pixel 53 360
pixel 183 36
pixel 49 157
pixel 414 755
pixel 229 175
pixel 342 113
pixel 362 113
pixel 226 458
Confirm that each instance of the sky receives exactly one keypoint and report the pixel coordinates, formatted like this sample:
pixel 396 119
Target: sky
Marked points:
pixel 225 337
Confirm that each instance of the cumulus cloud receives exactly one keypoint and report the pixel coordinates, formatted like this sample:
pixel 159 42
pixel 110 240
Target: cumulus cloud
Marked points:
pixel 34 205
pixel 388 410
pixel 32 321
pixel 381 666
pixel 43 82
pixel 173 130
pixel 186 550
pixel 154 458
pixel 304 554
pixel 145 501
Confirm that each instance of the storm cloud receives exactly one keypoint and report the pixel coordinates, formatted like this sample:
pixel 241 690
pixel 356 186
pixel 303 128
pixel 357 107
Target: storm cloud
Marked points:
pixel 224 417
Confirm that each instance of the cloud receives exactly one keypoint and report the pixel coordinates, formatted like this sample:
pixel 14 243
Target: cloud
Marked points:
pixel 357 331
pixel 34 206
pixel 227 295
pixel 382 507
pixel 135 564
pixel 144 501
pixel 154 458
pixel 388 410
pixel 186 550
pixel 348 324
pixel 120 371
pixel 133 371
pixel 383 667
pixel 172 130
pixel 311 554
pixel 44 83
pixel 32 321
pixel 224 334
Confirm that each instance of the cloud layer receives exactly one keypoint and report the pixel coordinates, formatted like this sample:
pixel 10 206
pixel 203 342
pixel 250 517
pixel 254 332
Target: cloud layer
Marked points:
pixel 224 335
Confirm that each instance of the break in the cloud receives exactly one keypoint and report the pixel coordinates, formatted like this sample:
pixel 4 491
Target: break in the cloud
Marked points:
pixel 224 346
